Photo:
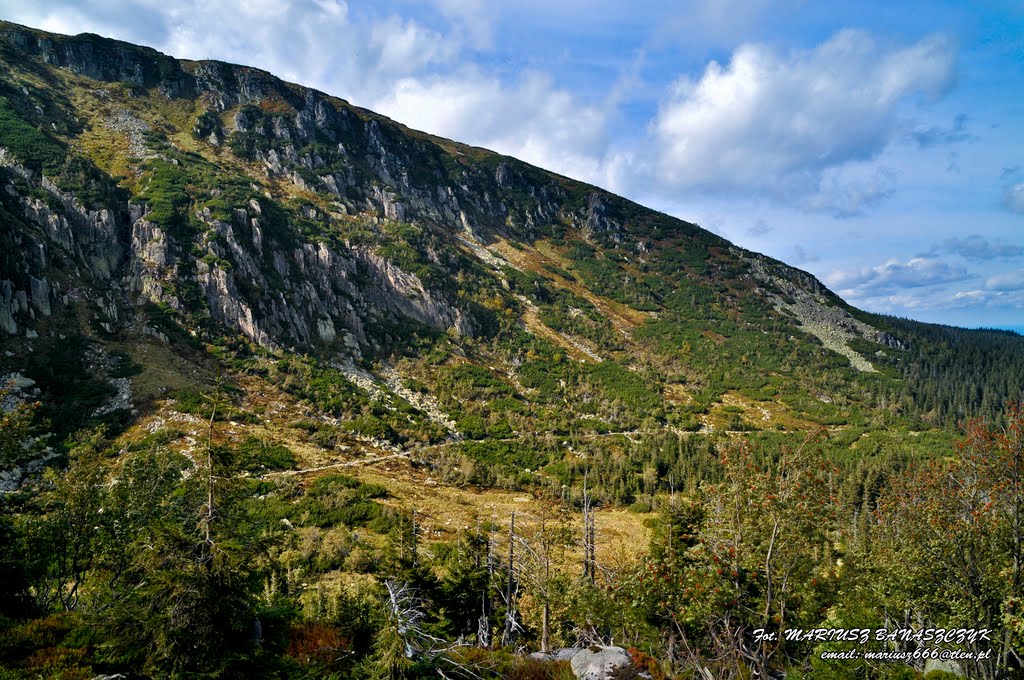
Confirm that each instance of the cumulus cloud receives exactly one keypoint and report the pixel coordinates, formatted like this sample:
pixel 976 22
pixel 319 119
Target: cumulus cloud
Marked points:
pixel 915 273
pixel 321 43
pixel 925 287
pixel 775 123
pixel 399 46
pixel 530 119
pixel 977 248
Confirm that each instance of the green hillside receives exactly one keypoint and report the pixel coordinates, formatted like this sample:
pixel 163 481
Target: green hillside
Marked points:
pixel 278 371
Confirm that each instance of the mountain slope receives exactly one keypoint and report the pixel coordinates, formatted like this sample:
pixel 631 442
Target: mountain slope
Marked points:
pixel 288 390
pixel 410 290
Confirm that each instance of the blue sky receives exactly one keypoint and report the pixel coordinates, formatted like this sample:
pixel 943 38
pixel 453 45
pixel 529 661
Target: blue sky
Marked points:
pixel 878 145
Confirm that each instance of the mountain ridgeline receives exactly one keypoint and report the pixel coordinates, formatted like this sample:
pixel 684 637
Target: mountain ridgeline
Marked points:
pixel 144 194
pixel 219 290
pixel 412 290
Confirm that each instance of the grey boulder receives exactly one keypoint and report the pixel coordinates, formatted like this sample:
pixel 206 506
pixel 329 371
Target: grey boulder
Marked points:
pixel 599 662
pixel 562 654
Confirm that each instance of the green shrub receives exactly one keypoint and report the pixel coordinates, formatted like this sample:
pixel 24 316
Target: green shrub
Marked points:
pixel 259 454
pixel 35 149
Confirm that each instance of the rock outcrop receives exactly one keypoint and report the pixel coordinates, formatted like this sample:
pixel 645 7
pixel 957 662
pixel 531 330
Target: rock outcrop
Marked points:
pixel 306 223
pixel 276 290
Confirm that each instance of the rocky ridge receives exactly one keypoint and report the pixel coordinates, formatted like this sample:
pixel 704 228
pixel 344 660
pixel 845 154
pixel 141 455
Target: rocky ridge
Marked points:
pixel 819 316
pixel 236 203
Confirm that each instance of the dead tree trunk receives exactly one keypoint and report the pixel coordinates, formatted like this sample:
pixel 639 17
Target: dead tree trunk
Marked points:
pixel 512 590
pixel 588 534
pixel 483 628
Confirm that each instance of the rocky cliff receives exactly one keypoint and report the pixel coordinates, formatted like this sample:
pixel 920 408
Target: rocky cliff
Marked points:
pixel 353 166
pixel 145 196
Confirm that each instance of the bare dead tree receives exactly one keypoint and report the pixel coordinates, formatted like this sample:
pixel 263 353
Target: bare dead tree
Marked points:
pixel 589 552
pixel 403 639
pixel 483 629
pixel 413 547
pixel 512 627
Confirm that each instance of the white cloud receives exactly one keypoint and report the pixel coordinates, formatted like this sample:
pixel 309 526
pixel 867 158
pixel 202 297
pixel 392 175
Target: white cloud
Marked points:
pixel 775 123
pixel 320 43
pixel 977 248
pixel 848 190
pixel 530 119
pixel 475 17
pixel 915 273
pixel 1006 281
pixel 928 303
pixel 400 46
pixel 139 24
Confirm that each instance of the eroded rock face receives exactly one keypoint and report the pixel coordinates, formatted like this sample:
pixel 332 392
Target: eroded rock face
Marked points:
pixel 286 291
pixel 300 294
pixel 883 338
pixel 805 300
pixel 286 294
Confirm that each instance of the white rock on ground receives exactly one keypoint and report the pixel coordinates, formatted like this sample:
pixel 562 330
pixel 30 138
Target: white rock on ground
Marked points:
pixel 599 662
pixel 562 654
